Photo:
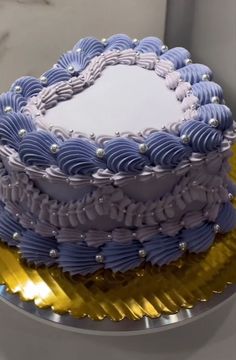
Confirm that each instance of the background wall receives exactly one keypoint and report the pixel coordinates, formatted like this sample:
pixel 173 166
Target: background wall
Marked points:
pixel 34 33
pixel 208 29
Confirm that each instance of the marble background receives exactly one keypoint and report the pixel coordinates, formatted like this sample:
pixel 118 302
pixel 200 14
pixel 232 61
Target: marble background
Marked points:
pixel 34 33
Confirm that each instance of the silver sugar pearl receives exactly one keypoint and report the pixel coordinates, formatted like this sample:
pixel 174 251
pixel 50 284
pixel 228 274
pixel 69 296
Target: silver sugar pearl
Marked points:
pixel 188 61
pixel 82 236
pixel 185 139
pixel 43 79
pixel 16 236
pixel 135 41
pixel 143 148
pixel 164 48
pixel 54 148
pixel 54 233
pixel 109 236
pixel 205 77
pixel 214 122
pixel 17 215
pixel 71 69
pixel 142 253
pixel 104 41
pixel 100 200
pixel 53 253
pixel 8 109
pixel 92 136
pixel 117 133
pixel 216 228
pixel 215 100
pixel 100 153
pixel 99 258
pixel 183 246
pixel 18 89
pixel 230 196
pixel 22 133
pixel 134 235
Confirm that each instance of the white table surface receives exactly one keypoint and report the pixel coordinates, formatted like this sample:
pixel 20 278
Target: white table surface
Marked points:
pixel 210 338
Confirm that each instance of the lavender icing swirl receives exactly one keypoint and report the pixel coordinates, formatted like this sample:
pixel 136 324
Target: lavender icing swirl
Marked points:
pixel 119 42
pixel 34 149
pixel 200 238
pixel 216 111
pixel 77 156
pixel 55 75
pixel 8 227
pixel 36 249
pixel 122 258
pixel 226 218
pixel 90 46
pixel 177 56
pixel 162 250
pixel 10 127
pixel 149 44
pixel 11 102
pixel 27 86
pixel 203 138
pixel 78 258
pixel 74 61
pixel 122 155
pixel 206 90
pixel 166 149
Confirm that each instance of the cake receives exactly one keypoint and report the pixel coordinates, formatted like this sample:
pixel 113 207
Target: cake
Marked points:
pixel 115 157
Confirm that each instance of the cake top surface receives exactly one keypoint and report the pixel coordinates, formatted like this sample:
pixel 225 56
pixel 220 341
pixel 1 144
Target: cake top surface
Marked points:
pixel 123 98
pixel 48 136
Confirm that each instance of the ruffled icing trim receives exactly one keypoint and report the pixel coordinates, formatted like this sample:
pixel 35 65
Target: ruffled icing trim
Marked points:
pixel 37 211
pixel 80 258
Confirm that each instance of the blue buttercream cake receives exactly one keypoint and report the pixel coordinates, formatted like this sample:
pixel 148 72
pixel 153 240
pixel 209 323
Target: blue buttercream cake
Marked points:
pixel 114 157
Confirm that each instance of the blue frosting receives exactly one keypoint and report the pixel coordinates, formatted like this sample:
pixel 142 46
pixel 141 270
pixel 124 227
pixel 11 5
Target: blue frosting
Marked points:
pixel 56 75
pixel 77 156
pixel 77 60
pixel 217 111
pixel 90 46
pixel 162 249
pixel 227 218
pixel 78 258
pixel 34 148
pixel 199 238
pixel 193 73
pixel 205 90
pixel 119 42
pixel 149 44
pixel 122 155
pixel 10 125
pixel 9 99
pixel 29 85
pixel 120 257
pixel 203 138
pixel 36 249
pixel 8 226
pixel 177 56
pixel 166 149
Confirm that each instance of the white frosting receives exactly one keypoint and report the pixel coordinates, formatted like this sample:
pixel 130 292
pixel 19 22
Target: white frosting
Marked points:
pixel 124 98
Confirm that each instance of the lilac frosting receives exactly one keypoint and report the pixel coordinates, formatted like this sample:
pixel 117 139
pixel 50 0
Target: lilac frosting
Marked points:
pixel 195 150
